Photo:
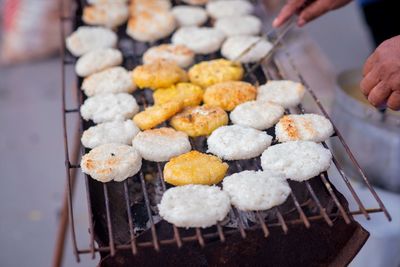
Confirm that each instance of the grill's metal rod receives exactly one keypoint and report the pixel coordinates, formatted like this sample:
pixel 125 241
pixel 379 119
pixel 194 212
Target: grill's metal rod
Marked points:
pixel 89 207
pixel 240 222
pixel 350 186
pixel 130 222
pixel 148 210
pixel 200 237
pixel 164 187
pixel 334 197
pixel 281 220
pixel 65 135
pixel 109 224
pixel 79 95
pixel 220 232
pixel 348 151
pixel 264 226
pixel 300 210
pixel 319 205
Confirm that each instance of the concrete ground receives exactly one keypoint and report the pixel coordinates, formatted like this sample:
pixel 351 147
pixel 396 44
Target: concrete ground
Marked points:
pixel 32 175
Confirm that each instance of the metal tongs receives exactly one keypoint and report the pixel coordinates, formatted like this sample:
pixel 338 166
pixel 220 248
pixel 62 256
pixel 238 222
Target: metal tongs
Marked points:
pixel 274 36
pixel 382 111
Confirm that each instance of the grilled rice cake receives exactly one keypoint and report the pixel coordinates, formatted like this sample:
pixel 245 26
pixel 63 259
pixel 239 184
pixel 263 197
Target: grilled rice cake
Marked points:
pixel 136 6
pixel 189 15
pixel 86 39
pixel 259 115
pixel 161 144
pixel 112 80
pixel 199 120
pixel 117 132
pixel 227 95
pixel 201 40
pixel 297 160
pixel 195 168
pixel 97 60
pixel 157 114
pixel 158 74
pixel 180 54
pixel 307 127
pixel 237 48
pixel 286 93
pixel 228 8
pixel 239 25
pixel 194 205
pixel 187 93
pixel 109 15
pixel 256 190
pixel 151 25
pixel 111 162
pixel 207 73
pixel 235 142
pixel 109 107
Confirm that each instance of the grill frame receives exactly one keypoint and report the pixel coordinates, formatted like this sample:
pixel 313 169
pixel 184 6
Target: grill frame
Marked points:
pixel 273 70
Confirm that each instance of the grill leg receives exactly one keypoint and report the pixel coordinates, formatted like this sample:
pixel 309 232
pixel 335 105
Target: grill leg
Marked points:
pixel 58 253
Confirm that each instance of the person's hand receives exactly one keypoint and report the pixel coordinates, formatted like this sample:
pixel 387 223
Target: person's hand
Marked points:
pixel 307 10
pixel 381 82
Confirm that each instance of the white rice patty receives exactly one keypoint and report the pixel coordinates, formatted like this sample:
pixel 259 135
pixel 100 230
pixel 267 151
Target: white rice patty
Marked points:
pixel 109 107
pixel 307 127
pixel 189 15
pixel 86 39
pixel 111 80
pixel 161 144
pixel 111 162
pixel 239 25
pixel 297 160
pixel 245 48
pixel 282 92
pixel 259 115
pixel 118 132
pixel 177 53
pixel 97 60
pixel 202 40
pixel 256 190
pixel 194 205
pixel 235 142
pixel 226 8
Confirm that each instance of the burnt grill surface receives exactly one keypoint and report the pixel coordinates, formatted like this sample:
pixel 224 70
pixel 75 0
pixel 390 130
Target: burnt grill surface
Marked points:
pixel 123 216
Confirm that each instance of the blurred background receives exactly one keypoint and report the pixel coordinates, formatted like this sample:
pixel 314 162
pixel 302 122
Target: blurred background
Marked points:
pixel 32 173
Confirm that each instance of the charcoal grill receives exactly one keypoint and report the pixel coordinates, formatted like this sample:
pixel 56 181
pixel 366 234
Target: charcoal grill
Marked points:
pixel 313 227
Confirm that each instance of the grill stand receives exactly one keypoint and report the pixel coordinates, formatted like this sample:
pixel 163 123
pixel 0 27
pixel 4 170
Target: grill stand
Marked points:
pixel 314 219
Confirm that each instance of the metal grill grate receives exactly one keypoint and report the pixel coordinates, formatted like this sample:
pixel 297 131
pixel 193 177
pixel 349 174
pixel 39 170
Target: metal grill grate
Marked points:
pixel 316 199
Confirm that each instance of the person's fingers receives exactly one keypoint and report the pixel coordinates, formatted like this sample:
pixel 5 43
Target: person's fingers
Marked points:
pixel 369 64
pixel 313 11
pixel 394 101
pixel 369 82
pixel 287 11
pixel 379 94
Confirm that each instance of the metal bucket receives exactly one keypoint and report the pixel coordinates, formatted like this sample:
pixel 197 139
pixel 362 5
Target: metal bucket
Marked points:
pixel 374 137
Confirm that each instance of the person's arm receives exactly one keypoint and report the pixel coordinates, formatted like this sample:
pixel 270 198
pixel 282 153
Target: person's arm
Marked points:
pixel 307 10
pixel 381 82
